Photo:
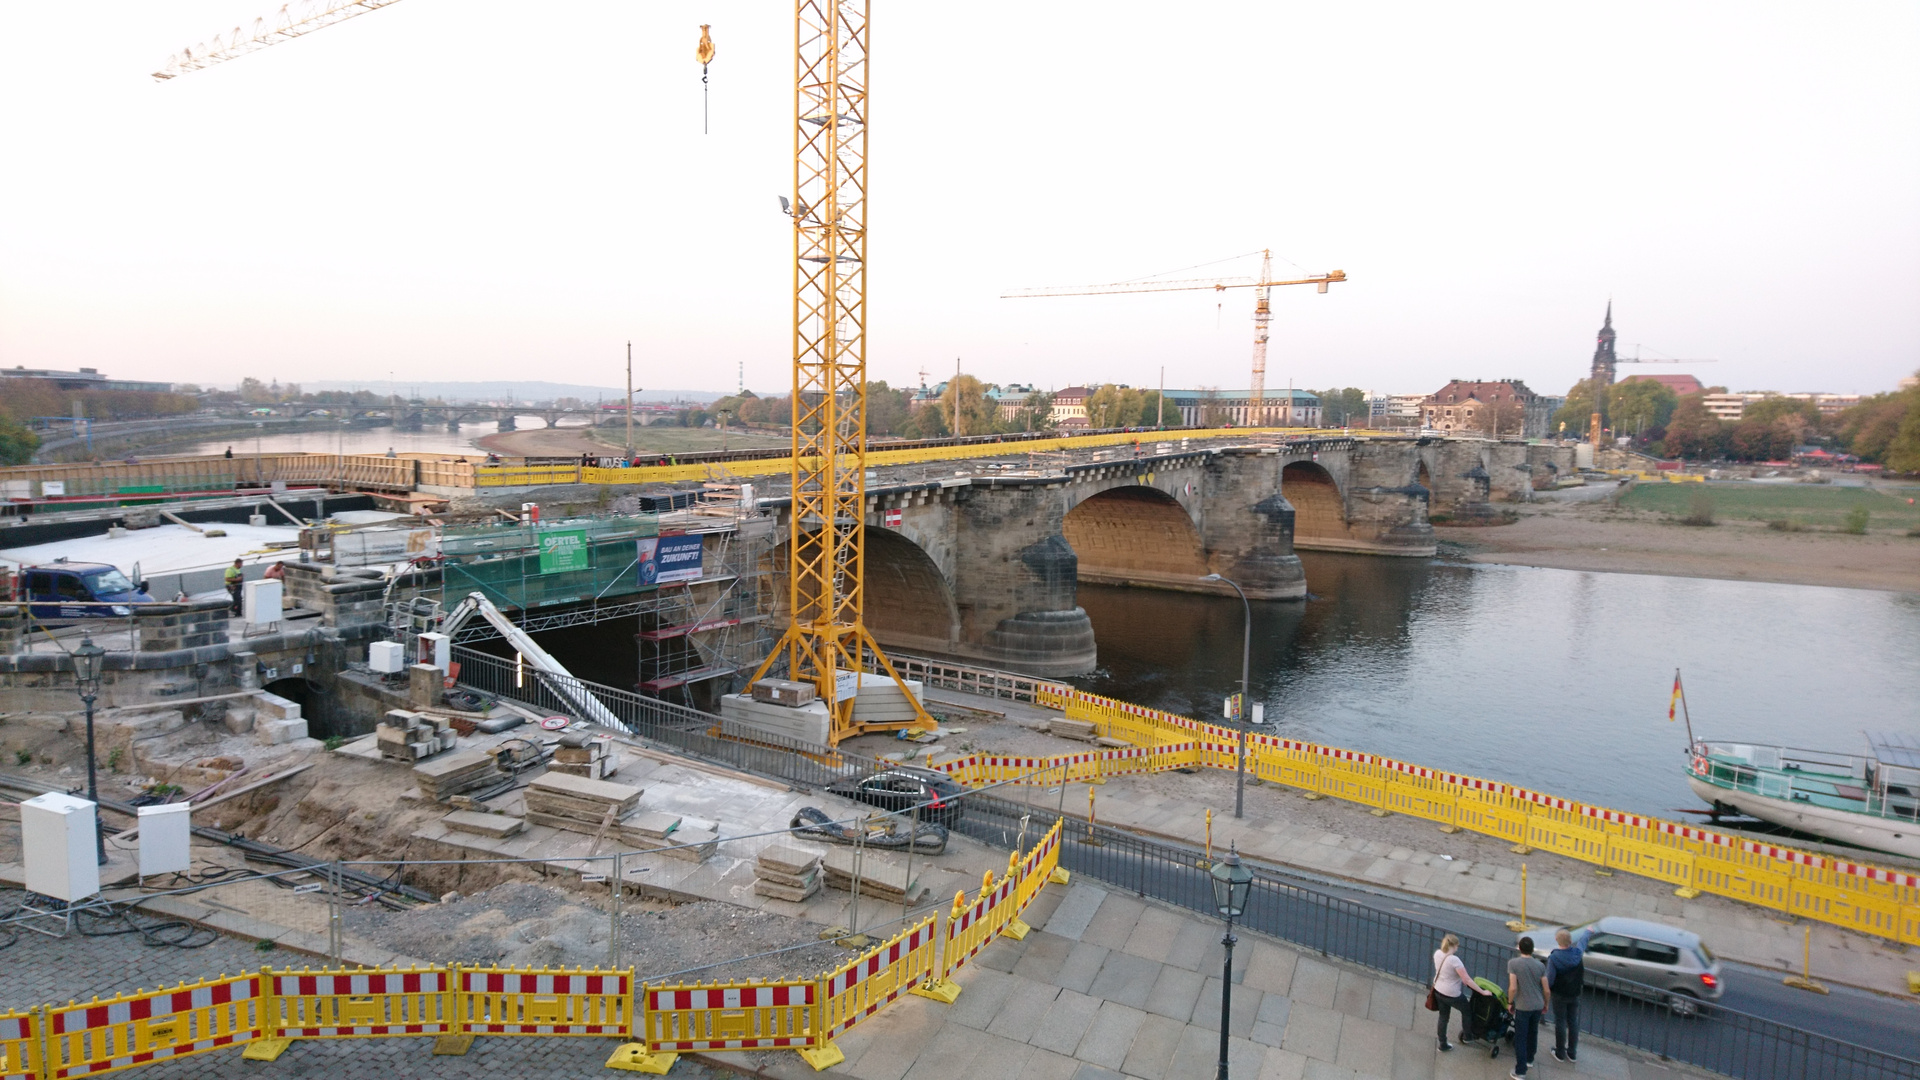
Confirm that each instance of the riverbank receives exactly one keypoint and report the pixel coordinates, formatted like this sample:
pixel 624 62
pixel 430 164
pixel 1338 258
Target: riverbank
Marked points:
pixel 1604 538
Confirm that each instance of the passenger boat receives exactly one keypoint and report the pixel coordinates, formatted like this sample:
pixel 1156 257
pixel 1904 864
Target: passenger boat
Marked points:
pixel 1870 802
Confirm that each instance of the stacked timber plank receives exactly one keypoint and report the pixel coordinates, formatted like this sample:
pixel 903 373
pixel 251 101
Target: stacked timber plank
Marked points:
pixel 787 873
pixel 1073 729
pixel 880 877
pixel 589 756
pixel 577 803
pixel 670 835
pixel 411 736
pixel 443 777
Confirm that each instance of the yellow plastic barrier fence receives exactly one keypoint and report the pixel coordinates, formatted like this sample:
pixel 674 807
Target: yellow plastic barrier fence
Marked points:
pixel 871 982
pixel 972 926
pixel 1040 866
pixel 134 1029
pixel 720 1016
pixel 346 1004
pixel 20 1046
pixel 1858 896
pixel 502 1001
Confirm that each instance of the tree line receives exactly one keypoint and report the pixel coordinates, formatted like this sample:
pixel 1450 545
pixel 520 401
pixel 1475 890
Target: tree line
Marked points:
pixel 1883 429
pixel 26 399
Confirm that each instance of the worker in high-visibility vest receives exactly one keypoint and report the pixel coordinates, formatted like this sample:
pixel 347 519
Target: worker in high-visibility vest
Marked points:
pixel 235 576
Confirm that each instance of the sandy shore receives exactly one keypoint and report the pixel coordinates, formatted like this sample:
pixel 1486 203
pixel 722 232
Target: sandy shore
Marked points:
pixel 1599 538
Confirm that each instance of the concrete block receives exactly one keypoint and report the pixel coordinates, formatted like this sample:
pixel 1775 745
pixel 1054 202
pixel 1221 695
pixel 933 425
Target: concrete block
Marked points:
pixel 275 707
pixel 240 717
pixel 278 732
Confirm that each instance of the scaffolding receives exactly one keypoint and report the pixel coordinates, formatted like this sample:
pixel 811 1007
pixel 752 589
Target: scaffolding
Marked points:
pixel 717 628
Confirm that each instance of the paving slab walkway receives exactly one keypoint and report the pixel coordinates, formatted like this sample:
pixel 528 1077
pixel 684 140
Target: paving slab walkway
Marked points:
pixel 1108 986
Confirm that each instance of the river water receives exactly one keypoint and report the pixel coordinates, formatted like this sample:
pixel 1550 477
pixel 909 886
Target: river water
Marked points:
pixel 1553 679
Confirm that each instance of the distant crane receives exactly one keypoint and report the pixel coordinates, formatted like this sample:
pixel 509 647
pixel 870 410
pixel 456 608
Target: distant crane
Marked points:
pixel 1604 361
pixel 1262 312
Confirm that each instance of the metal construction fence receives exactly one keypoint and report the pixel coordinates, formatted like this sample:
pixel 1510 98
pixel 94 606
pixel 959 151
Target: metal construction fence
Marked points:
pixel 1856 895
pixel 266 1011
pixel 1716 1038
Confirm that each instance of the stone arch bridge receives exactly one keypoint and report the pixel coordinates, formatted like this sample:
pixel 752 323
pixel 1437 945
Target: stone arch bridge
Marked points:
pixel 985 567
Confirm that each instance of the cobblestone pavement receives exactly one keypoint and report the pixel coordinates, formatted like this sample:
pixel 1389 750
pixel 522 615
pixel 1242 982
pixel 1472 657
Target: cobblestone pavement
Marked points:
pixel 40 970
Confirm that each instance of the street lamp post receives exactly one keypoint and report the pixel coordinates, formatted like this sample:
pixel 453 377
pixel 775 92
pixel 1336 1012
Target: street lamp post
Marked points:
pixel 1246 658
pixel 1231 882
pixel 87 662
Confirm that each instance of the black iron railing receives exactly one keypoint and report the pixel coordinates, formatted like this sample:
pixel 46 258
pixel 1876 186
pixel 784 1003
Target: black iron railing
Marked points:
pixel 1704 1035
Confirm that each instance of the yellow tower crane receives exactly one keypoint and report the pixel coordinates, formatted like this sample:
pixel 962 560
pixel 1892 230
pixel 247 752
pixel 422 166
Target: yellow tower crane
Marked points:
pixel 827 642
pixel 1257 412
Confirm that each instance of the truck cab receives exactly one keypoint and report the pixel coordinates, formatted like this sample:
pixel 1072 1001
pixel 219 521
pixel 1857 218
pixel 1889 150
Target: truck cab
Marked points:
pixel 73 590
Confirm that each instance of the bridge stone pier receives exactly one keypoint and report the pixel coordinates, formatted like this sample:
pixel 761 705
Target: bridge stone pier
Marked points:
pixel 985 565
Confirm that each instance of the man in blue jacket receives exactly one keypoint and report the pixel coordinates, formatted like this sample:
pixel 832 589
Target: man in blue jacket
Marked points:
pixel 1566 976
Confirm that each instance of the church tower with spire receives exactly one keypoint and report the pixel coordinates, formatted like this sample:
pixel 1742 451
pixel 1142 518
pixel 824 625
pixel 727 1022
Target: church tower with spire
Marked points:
pixel 1604 361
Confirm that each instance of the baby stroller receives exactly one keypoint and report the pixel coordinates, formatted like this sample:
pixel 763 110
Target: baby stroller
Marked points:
pixel 1488 1017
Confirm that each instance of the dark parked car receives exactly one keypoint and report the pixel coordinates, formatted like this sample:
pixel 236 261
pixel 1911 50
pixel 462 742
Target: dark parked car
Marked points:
pixel 76 590
pixel 904 786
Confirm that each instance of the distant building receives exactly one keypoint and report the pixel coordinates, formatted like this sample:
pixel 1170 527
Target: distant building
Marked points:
pixel 1210 408
pixel 1405 409
pixel 1732 407
pixel 1682 385
pixel 1070 404
pixel 1502 407
pixel 1010 400
pixel 85 379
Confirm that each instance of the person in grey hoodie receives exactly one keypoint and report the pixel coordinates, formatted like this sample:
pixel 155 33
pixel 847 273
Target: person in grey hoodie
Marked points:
pixel 1566 977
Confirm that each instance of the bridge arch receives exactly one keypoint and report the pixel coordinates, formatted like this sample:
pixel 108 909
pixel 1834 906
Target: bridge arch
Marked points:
pixel 1319 509
pixel 1421 475
pixel 909 603
pixel 1135 535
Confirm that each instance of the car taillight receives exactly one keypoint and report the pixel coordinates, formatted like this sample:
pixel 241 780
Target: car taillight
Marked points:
pixel 936 804
pixel 1709 981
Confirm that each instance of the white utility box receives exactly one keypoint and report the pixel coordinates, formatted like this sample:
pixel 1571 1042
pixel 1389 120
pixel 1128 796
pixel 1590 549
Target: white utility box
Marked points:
pixel 166 839
pixel 435 649
pixel 260 601
pixel 387 657
pixel 58 847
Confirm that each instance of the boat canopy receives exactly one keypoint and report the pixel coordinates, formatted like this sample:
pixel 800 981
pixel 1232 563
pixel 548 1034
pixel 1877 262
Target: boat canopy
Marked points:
pixel 1896 748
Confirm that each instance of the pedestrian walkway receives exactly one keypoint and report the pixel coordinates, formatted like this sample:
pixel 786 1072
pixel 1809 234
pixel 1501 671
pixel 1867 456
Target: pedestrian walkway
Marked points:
pixel 1478 871
pixel 1107 986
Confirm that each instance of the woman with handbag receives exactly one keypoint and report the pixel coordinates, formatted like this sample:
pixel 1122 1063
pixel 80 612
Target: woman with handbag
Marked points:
pixel 1452 988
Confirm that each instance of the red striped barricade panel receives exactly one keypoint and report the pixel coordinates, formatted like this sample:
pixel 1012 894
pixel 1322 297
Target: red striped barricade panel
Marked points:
pixel 134 1029
pixel 717 1016
pixel 19 1047
pixel 495 1001
pixel 866 985
pixel 360 1004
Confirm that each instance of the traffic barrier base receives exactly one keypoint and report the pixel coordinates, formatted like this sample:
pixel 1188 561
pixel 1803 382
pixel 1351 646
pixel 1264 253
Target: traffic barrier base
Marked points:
pixel 635 1057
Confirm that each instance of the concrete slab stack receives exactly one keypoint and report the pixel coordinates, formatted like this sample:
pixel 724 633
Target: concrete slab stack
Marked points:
pixel 456 774
pixel 880 877
pixel 787 873
pixel 411 736
pixel 577 803
pixel 671 835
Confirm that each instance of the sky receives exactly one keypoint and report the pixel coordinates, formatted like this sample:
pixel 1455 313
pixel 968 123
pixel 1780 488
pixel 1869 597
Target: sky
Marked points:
pixel 484 190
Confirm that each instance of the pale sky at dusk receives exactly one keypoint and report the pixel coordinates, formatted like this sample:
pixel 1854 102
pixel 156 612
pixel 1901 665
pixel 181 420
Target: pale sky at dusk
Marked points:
pixel 467 189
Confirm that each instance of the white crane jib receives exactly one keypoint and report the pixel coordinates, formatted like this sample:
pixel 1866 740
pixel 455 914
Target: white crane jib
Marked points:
pixel 548 670
pixel 1262 307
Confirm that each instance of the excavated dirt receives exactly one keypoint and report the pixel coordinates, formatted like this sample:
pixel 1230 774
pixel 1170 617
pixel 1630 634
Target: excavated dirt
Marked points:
pixel 531 925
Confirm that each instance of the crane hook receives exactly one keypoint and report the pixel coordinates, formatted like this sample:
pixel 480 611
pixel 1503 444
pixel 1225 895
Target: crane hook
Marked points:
pixel 704 52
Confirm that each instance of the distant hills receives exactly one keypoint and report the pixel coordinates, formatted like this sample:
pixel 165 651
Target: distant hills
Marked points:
pixel 518 391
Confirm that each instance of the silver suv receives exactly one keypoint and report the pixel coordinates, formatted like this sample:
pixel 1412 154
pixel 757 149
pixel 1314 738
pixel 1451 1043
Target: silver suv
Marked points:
pixel 1674 963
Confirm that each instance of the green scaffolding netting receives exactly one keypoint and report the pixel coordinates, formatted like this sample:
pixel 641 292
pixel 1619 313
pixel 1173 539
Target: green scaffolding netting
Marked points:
pixel 553 562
